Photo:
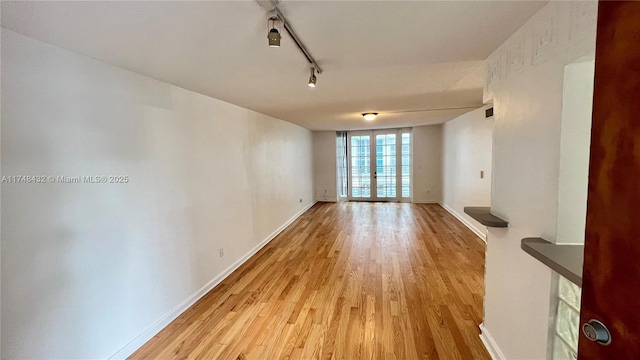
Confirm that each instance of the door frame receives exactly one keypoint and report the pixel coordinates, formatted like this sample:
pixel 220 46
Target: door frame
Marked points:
pixel 373 164
pixel 398 159
pixel 611 270
pixel 350 135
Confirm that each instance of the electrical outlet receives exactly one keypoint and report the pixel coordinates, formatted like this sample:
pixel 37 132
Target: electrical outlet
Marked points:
pixel 481 174
pixel 221 252
pixel 300 200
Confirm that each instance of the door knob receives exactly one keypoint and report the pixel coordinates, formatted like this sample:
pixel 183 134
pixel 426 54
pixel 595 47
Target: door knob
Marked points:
pixel 596 331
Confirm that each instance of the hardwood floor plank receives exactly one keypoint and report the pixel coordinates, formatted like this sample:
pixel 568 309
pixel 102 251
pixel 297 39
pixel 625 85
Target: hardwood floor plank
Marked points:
pixel 344 281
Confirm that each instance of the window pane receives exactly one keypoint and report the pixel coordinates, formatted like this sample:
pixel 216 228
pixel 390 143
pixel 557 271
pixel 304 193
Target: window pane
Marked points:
pixel 391 139
pixel 406 164
pixel 360 165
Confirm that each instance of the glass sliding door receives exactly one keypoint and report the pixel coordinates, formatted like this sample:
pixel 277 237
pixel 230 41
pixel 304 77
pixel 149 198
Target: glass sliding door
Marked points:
pixel 380 165
pixel 386 172
pixel 360 164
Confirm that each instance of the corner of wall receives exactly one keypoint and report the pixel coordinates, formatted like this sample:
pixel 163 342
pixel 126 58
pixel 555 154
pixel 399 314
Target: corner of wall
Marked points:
pixel 163 322
pixel 489 343
pixel 476 230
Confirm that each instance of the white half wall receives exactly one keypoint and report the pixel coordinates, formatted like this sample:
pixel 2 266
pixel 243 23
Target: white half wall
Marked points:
pixel 324 166
pixel 467 145
pixel 87 268
pixel 525 82
pixel 427 164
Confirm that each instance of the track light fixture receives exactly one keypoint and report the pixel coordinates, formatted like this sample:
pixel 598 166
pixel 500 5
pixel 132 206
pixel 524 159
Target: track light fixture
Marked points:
pixel 312 78
pixel 369 116
pixel 274 34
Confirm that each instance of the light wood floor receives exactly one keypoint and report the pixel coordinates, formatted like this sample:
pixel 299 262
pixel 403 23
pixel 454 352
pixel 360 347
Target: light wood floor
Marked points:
pixel 344 281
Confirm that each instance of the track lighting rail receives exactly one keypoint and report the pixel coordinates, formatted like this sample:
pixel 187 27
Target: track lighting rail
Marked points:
pixel 287 26
pixel 272 6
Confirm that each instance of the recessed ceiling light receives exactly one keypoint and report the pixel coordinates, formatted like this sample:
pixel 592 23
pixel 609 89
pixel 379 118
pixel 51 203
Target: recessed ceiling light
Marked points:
pixel 369 116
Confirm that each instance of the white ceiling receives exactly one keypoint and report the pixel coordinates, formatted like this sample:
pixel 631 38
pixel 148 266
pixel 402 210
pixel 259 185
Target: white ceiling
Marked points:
pixel 376 56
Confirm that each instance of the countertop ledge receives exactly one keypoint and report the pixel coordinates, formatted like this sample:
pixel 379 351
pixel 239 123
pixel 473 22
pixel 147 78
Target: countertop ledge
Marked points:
pixel 566 260
pixel 484 216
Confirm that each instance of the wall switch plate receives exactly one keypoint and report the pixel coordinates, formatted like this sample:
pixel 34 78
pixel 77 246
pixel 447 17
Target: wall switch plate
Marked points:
pixel 221 252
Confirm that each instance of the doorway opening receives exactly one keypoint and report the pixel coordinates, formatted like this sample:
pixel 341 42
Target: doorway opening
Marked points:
pixel 378 165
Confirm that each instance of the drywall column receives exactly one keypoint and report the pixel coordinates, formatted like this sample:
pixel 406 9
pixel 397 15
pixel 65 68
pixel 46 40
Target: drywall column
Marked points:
pixel 525 82
pixel 324 165
pixel 427 164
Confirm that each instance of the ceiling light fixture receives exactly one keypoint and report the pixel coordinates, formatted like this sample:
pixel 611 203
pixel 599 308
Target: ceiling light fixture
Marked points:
pixel 312 78
pixel 274 34
pixel 369 116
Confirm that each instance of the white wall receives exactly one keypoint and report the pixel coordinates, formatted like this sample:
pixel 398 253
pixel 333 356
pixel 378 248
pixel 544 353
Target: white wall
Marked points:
pixel 427 164
pixel 575 141
pixel 88 267
pixel 467 144
pixel 525 81
pixel 324 165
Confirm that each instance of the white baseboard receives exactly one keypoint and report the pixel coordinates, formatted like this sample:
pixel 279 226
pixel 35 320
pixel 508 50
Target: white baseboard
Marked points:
pixel 471 227
pixel 156 327
pixel 490 344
